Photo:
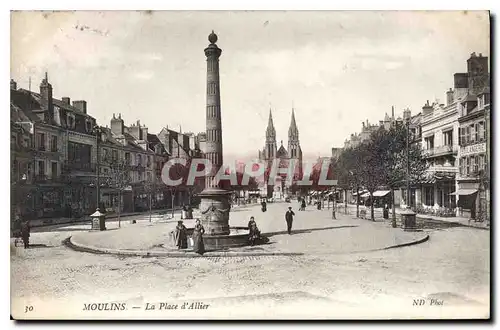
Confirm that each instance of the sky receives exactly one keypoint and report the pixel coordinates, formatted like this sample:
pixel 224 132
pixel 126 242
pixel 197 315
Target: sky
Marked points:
pixel 335 68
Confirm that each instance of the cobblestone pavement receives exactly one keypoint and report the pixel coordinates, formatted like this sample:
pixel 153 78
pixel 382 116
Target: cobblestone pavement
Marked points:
pixel 453 267
pixel 314 232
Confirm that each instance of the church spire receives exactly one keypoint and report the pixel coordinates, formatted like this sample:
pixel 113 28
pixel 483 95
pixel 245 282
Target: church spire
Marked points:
pixel 293 130
pixel 270 132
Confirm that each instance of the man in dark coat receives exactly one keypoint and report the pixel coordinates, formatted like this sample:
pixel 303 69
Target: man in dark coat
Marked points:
pixel 181 236
pixel 25 233
pixel 289 219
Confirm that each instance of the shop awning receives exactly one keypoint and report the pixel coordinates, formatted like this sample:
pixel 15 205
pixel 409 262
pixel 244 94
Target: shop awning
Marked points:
pixel 381 193
pixel 365 195
pixel 464 192
pixel 360 192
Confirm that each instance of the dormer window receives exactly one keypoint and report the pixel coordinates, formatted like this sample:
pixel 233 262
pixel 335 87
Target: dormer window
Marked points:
pixel 88 125
pixel 70 119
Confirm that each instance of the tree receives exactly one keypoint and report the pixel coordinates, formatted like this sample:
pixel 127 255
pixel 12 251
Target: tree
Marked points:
pixel 119 180
pixel 402 159
pixel 349 165
pixel 150 188
pixel 177 171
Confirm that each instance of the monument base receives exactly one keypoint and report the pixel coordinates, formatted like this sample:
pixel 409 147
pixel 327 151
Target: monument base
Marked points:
pixel 409 220
pixel 214 208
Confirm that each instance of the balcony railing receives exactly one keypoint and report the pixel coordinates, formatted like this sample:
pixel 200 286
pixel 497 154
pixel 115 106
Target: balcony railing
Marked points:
pixel 440 151
pixel 70 166
pixel 44 178
pixel 445 169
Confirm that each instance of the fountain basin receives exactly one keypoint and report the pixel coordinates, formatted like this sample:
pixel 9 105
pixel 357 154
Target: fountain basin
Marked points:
pixel 238 236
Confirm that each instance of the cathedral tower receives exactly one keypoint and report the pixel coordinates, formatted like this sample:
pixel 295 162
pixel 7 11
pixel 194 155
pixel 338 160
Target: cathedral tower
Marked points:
pixel 293 139
pixel 270 148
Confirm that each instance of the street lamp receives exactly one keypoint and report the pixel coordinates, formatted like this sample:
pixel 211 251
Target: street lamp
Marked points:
pixel 408 217
pixel 98 218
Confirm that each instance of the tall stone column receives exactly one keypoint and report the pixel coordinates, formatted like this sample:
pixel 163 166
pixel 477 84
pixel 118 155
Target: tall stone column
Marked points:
pixel 214 200
pixel 213 113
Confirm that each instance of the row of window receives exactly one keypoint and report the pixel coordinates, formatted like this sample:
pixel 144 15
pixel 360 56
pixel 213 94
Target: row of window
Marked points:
pixel 447 140
pixel 471 165
pixel 112 155
pixel 72 121
pixel 472 133
pixel 140 175
pixel 24 170
pixel 41 142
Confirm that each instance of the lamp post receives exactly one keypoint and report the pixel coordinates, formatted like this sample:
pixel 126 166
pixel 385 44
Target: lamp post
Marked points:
pixel 408 217
pixel 408 192
pixel 98 218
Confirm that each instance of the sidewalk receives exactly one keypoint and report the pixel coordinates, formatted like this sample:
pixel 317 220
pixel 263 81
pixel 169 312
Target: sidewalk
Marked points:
pixel 85 219
pixel 462 221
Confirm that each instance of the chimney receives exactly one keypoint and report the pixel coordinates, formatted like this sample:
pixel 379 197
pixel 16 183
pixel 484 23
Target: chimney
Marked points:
pixel 117 125
pixel 135 130
pixel 13 84
pixel 449 97
pixel 426 109
pixel 144 132
pixel 363 124
pixel 66 100
pixel 46 95
pixel 80 105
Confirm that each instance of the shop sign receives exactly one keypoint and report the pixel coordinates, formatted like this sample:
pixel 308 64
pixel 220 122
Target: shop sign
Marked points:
pixel 473 149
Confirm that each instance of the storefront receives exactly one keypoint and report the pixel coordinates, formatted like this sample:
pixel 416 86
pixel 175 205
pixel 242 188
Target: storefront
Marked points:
pixel 382 198
pixel 467 200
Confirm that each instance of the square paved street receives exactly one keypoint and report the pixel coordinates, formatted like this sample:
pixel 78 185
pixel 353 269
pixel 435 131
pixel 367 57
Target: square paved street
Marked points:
pixel 452 266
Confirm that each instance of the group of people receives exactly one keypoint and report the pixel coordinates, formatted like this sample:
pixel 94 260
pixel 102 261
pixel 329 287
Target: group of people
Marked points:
pixel 181 236
pixel 254 234
pixel 302 203
pixel 22 230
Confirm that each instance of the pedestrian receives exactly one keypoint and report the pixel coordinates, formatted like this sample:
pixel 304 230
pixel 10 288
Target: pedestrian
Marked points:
pixel 303 205
pixel 386 211
pixel 198 232
pixel 16 230
pixel 253 231
pixel 181 236
pixel 25 233
pixel 289 219
pixel 189 214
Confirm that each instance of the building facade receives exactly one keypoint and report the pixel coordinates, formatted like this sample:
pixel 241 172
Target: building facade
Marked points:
pixel 64 152
pixel 440 145
pixel 58 150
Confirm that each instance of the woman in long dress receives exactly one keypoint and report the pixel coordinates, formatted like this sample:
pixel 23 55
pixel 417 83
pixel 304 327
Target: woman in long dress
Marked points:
pixel 198 232
pixel 181 236
pixel 253 231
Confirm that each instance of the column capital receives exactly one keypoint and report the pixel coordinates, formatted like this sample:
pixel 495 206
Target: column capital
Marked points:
pixel 212 51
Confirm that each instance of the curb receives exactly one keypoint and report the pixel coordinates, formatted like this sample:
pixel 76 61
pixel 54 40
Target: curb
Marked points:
pixel 425 239
pixel 458 224
pixel 70 242
pixel 188 254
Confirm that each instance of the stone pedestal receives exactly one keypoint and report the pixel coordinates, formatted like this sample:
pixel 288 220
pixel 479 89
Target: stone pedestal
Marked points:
pixel 98 220
pixel 214 208
pixel 408 220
